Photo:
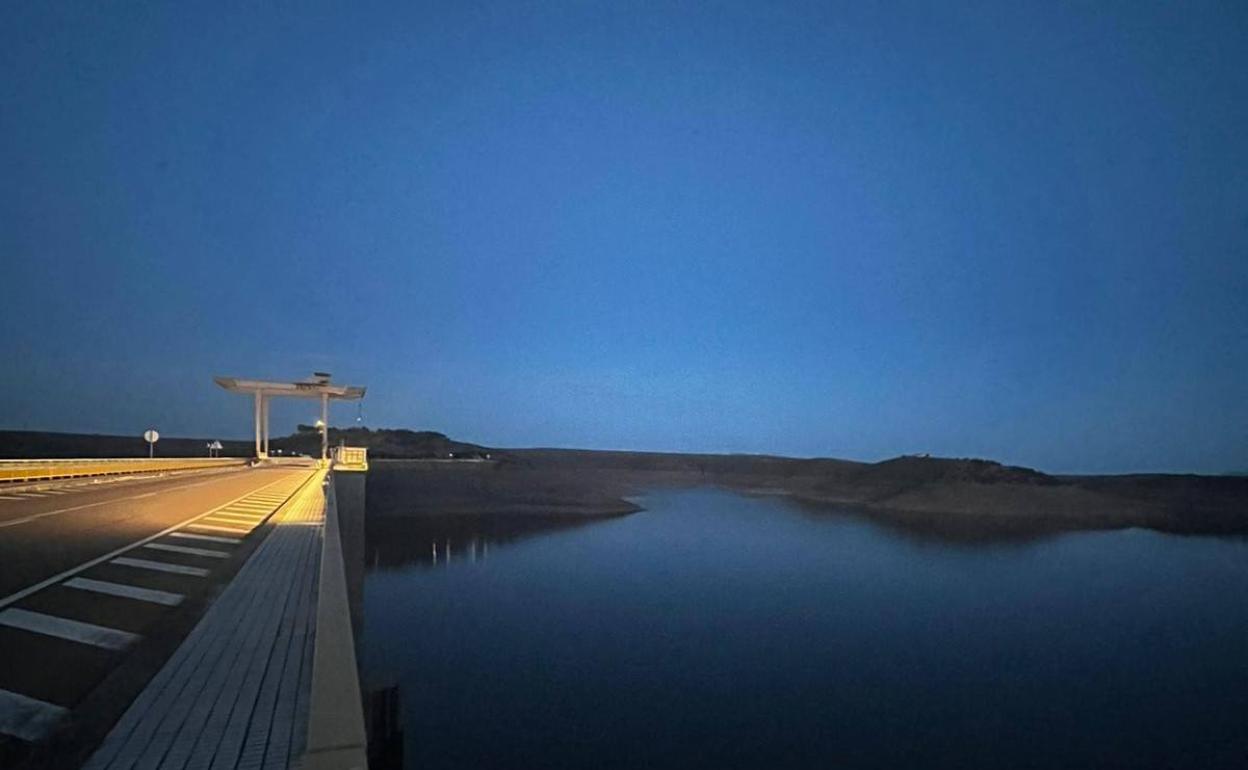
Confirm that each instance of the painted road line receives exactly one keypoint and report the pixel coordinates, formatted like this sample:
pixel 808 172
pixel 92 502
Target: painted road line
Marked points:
pixel 17 596
pixel 160 566
pixel 210 553
pixel 28 718
pixel 211 538
pixel 215 528
pixel 73 630
pixel 224 524
pixel 238 527
pixel 9 497
pixel 232 518
pixel 244 516
pixel 167 598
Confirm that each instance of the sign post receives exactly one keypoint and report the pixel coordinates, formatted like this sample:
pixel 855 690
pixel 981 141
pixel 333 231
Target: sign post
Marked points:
pixel 151 437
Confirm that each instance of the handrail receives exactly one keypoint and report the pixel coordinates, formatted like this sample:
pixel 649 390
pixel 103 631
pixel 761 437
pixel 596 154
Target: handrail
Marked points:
pixel 17 471
pixel 351 458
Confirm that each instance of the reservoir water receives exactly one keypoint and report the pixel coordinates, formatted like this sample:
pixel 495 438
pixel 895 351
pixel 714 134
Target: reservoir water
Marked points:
pixel 715 630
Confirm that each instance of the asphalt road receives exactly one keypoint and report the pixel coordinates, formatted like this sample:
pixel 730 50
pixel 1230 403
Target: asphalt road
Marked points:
pixel 43 536
pixel 99 583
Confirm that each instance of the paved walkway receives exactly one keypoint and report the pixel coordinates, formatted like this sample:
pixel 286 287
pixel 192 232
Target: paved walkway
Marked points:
pixel 235 694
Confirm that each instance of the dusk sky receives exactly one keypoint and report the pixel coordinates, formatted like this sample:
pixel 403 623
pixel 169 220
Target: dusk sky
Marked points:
pixel 1006 230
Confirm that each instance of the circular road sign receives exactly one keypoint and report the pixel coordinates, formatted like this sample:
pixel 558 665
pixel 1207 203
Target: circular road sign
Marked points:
pixel 151 436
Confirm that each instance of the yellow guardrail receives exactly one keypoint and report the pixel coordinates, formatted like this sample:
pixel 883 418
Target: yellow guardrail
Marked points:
pixel 18 471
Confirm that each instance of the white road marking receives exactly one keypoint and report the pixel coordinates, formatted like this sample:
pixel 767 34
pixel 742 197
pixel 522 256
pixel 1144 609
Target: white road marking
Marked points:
pixel 213 538
pixel 215 528
pixel 32 494
pixel 9 497
pixel 167 598
pixel 241 526
pixel 210 553
pixel 160 566
pixel 247 516
pixel 27 718
pixel 73 630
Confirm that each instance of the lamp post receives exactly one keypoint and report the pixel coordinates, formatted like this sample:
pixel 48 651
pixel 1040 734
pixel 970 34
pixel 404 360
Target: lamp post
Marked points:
pixel 324 429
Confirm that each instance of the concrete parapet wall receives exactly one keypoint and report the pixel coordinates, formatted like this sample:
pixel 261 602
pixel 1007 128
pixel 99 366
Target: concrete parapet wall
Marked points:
pixel 336 734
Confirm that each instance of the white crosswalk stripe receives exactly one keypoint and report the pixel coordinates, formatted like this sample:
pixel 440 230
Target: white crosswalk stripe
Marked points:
pixel 167 598
pixel 248 525
pixel 210 538
pixel 209 552
pixel 160 566
pixel 216 528
pixel 28 718
pixel 73 630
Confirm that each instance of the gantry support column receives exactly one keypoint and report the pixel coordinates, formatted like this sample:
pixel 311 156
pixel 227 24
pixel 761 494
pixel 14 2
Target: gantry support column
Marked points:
pixel 266 402
pixel 259 455
pixel 324 427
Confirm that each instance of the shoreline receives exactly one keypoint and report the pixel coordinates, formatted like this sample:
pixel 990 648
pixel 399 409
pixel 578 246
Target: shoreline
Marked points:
pixel 954 500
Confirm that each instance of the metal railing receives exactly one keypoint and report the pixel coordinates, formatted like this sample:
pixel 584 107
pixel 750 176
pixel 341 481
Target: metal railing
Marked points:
pixel 351 458
pixel 22 471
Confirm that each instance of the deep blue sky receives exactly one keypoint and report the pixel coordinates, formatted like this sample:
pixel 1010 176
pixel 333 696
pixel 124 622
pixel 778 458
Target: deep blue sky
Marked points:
pixel 962 228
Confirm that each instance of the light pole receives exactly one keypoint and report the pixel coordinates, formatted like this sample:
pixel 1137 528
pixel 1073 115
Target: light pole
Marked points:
pixel 324 429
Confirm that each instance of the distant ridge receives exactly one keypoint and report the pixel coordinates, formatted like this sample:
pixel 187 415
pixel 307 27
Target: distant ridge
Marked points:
pixel 383 443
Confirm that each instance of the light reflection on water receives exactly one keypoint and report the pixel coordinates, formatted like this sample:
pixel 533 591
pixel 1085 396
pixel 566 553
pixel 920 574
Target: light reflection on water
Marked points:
pixel 714 630
pixel 475 546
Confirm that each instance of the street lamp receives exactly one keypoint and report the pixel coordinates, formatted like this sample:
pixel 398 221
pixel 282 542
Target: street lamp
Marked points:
pixel 320 425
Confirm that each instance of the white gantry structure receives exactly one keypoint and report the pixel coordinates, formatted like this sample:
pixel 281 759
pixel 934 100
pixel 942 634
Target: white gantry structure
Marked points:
pixel 317 386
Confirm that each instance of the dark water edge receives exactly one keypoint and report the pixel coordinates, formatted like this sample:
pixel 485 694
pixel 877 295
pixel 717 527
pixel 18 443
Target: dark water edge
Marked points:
pixel 716 630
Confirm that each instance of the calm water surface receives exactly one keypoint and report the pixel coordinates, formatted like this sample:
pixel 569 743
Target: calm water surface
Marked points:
pixel 715 630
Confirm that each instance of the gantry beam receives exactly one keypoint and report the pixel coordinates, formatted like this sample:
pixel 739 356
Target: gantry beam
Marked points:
pixel 319 387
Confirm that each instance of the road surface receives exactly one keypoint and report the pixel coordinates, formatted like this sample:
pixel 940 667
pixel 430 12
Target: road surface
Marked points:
pixel 98 584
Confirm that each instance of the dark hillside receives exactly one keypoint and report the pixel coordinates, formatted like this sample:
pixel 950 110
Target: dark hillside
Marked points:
pixel 26 444
pixel 383 443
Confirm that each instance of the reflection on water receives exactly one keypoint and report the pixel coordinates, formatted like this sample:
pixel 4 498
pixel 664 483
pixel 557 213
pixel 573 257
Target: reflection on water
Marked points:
pixel 714 630
pixel 474 545
pixel 427 541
